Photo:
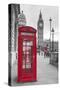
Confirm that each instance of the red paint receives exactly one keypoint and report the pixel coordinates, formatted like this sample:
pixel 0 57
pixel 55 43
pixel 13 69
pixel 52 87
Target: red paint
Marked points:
pixel 26 54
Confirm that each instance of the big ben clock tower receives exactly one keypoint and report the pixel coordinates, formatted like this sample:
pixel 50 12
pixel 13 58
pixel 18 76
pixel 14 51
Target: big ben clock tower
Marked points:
pixel 40 26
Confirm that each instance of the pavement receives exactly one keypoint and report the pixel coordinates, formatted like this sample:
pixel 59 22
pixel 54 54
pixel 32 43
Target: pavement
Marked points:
pixel 46 73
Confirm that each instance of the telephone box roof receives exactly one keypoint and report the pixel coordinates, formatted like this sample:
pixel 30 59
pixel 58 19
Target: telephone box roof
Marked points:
pixel 27 29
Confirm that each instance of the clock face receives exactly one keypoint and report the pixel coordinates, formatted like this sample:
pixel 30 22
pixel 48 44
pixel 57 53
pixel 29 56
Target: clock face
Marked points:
pixel 40 24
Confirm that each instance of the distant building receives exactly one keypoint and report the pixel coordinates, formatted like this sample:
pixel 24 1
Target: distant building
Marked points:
pixel 47 44
pixel 40 26
pixel 21 19
pixel 21 22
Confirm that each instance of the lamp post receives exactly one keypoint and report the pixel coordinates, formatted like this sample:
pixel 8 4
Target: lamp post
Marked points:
pixel 50 20
pixel 52 31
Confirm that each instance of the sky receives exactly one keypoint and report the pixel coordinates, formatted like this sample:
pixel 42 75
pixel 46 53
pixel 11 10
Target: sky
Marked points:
pixel 32 15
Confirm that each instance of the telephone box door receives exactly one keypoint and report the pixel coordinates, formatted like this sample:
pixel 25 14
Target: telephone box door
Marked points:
pixel 26 58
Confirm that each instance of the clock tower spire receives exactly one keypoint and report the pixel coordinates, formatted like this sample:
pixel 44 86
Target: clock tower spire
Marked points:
pixel 40 25
pixel 40 16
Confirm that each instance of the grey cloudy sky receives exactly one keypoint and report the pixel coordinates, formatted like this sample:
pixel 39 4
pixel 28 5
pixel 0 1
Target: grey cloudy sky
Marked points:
pixel 32 14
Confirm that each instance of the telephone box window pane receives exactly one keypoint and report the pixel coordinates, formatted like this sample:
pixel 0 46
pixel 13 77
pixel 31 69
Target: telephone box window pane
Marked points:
pixel 24 49
pixel 27 54
pixel 23 66
pixel 29 43
pixel 23 63
pixel 24 43
pixel 28 65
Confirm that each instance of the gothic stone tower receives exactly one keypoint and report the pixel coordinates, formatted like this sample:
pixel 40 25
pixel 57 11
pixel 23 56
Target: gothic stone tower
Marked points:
pixel 40 26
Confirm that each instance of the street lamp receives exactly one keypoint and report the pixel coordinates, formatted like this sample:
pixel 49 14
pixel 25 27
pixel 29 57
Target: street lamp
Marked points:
pixel 52 44
pixel 50 20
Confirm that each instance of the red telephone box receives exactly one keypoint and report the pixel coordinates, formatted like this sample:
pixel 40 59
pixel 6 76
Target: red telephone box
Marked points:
pixel 26 54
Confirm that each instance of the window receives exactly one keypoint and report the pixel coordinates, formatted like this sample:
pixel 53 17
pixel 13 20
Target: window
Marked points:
pixel 27 54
